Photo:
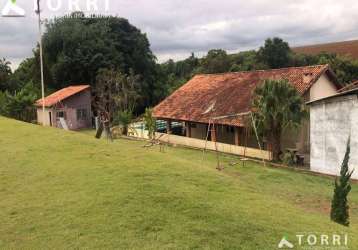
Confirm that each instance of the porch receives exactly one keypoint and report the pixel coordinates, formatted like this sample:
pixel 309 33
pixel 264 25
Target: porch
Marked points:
pixel 226 139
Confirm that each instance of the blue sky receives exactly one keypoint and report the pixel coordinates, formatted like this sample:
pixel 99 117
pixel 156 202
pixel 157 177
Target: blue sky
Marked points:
pixel 177 28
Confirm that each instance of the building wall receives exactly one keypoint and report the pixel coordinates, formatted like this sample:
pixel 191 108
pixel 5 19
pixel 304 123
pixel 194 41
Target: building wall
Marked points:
pixel 332 121
pixel 81 100
pixel 322 88
pixel 224 133
pixel 300 138
pixel 70 106
pixel 47 116
pixel 198 131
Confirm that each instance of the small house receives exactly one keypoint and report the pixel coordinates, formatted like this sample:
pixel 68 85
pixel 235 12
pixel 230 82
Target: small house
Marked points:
pixel 333 120
pixel 68 108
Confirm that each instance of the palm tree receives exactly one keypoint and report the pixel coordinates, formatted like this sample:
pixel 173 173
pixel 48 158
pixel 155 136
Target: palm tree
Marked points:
pixel 276 105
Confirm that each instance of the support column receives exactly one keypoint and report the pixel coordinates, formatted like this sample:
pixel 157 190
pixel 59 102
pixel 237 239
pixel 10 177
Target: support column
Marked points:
pixel 237 136
pixel 187 129
pixel 169 127
pixel 213 133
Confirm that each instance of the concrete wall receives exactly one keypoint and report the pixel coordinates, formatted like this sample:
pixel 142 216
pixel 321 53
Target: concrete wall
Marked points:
pixel 332 121
pixel 46 117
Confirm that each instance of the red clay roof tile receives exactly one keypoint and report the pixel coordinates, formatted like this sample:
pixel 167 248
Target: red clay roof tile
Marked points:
pixel 351 86
pixel 213 95
pixel 61 95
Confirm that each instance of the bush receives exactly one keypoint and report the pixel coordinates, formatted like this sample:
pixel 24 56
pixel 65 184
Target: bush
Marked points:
pixel 288 159
pixel 342 187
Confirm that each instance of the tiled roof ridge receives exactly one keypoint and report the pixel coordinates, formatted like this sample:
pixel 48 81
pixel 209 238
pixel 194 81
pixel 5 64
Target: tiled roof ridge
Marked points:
pixel 324 66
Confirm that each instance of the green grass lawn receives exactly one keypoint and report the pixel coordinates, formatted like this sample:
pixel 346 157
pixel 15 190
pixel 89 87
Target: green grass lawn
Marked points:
pixel 65 190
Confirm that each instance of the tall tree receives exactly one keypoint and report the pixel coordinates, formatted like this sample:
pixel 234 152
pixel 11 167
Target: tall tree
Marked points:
pixel 342 187
pixel 5 73
pixel 116 92
pixel 76 48
pixel 276 106
pixel 216 61
pixel 276 53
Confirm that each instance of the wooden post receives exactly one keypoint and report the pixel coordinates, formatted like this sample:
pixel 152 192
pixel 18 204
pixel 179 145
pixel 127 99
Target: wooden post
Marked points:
pixel 213 133
pixel 169 127
pixel 187 129
pixel 237 136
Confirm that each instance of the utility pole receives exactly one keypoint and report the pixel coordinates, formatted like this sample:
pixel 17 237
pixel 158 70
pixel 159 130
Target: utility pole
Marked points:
pixel 38 12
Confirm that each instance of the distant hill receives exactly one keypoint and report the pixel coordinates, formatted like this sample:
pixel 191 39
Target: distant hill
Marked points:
pixel 346 48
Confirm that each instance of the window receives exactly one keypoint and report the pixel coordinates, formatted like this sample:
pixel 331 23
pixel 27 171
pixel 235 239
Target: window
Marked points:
pixel 61 114
pixel 81 114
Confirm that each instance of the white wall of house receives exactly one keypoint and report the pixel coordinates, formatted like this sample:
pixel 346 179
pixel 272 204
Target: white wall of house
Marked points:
pixel 332 121
pixel 300 138
pixel 44 119
pixel 322 88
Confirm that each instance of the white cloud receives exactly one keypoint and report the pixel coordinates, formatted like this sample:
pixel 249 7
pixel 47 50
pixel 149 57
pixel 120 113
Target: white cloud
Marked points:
pixel 175 27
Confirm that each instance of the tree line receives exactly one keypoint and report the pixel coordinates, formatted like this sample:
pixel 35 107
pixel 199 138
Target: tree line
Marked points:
pixel 275 53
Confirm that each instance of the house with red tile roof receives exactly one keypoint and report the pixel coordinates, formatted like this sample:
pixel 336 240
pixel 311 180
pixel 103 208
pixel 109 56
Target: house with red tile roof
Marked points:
pixel 225 100
pixel 71 105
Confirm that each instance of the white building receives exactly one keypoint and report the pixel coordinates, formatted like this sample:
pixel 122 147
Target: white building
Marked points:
pixel 333 120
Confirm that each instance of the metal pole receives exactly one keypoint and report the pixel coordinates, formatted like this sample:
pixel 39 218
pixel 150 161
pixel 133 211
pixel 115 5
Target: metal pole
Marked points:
pixel 38 12
pixel 257 138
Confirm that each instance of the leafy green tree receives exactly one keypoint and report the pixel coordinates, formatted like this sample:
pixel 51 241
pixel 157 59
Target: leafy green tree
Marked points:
pixel 5 73
pixel 276 53
pixel 342 187
pixel 3 103
pixel 76 48
pixel 124 118
pixel 21 104
pixel 216 61
pixel 246 61
pixel 276 106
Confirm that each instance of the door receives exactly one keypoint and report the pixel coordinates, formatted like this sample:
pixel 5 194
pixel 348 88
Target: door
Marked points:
pixel 50 117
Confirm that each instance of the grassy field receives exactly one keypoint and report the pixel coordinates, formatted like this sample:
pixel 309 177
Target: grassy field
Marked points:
pixel 65 190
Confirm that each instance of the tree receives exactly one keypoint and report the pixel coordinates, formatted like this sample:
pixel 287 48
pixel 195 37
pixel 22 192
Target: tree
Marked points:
pixel 124 118
pixel 76 48
pixel 276 53
pixel 342 187
pixel 276 105
pixel 216 61
pixel 19 105
pixel 116 95
pixel 5 73
pixel 246 61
